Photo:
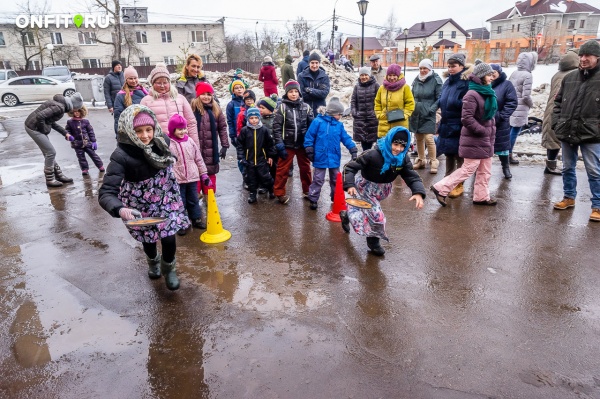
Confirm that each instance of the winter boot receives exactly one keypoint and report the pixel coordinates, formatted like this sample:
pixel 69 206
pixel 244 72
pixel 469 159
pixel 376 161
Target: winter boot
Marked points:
pixel 506 171
pixel 434 164
pixel 373 244
pixel 59 175
pixel 153 267
pixel 440 198
pixel 199 224
pixel 168 270
pixel 551 168
pixel 595 216
pixel 512 160
pixel 457 191
pixel 565 203
pixel 420 164
pixel 345 221
pixel 50 181
pixel 252 197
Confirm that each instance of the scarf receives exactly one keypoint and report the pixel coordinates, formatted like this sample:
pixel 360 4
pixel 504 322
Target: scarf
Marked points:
pixel 177 139
pixel 397 85
pixel 423 78
pixel 385 147
pixel 491 104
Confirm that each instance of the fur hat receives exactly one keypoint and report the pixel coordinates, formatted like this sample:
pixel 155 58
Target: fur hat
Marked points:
pixel 249 93
pixel 591 47
pixel 143 119
pixel 268 103
pixel 130 72
pixel 253 111
pixel 176 122
pixel 74 102
pixel 364 71
pixel 314 57
pixel 115 63
pixel 394 69
pixel 457 58
pixel 400 137
pixel 482 69
pixel 83 111
pixel 159 71
pixel 427 63
pixel 334 107
pixel 292 84
pixel 496 67
pixel 204 87
pixel 235 83
pixel 268 59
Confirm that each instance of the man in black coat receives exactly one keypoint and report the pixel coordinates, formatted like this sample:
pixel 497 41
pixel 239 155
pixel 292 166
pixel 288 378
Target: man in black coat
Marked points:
pixel 113 82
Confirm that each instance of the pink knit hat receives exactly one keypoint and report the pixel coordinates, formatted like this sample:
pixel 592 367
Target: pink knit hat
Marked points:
pixel 160 71
pixel 143 119
pixel 176 122
pixel 394 69
pixel 130 72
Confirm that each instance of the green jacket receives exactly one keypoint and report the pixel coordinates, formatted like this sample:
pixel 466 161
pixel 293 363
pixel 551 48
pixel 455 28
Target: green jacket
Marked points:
pixel 576 116
pixel 287 71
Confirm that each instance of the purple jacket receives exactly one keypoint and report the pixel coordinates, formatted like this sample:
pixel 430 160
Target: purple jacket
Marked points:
pixel 476 136
pixel 82 131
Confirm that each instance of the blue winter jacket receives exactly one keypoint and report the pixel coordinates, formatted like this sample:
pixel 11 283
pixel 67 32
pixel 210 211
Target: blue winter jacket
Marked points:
pixel 232 111
pixel 314 91
pixel 506 95
pixel 302 65
pixel 453 91
pixel 324 135
pixel 119 105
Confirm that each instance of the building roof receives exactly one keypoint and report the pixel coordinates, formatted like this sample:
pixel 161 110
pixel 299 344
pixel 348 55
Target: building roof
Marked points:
pixel 479 34
pixel 446 43
pixel 426 29
pixel 526 9
pixel 371 43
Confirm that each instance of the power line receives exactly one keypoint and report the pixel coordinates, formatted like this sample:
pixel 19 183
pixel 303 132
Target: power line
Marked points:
pixel 360 23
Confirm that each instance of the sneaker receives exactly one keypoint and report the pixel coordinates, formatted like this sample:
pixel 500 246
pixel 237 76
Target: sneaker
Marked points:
pixel 440 198
pixel 345 221
pixel 283 199
pixel 595 216
pixel 199 224
pixel 252 198
pixel 305 196
pixel 85 172
pixel 490 202
pixel 565 203
pixel 313 205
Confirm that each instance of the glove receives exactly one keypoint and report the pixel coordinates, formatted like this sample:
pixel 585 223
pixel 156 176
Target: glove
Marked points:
pixel 281 151
pixel 70 138
pixel 223 152
pixel 94 146
pixel 354 153
pixel 206 181
pixel 129 214
pixel 234 141
pixel 308 90
pixel 310 153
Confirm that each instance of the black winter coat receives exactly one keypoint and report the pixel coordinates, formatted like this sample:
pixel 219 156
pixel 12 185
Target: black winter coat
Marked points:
pixel 44 118
pixel 113 83
pixel 314 90
pixel 506 95
pixel 292 119
pixel 370 162
pixel 127 162
pixel 427 95
pixel 363 111
pixel 255 145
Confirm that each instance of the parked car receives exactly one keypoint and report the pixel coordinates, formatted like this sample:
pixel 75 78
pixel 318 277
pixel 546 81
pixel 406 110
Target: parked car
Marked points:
pixel 33 88
pixel 61 73
pixel 6 74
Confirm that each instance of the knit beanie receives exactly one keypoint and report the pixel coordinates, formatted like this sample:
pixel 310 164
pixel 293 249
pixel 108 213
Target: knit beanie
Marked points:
pixel 364 71
pixel 76 100
pixel 160 71
pixel 238 71
pixel 334 107
pixel 591 47
pixel 482 69
pixel 457 58
pixel 268 59
pixel 130 72
pixel 268 103
pixel 115 63
pixel 204 87
pixel 253 111
pixel 314 57
pixel 427 63
pixel 143 119
pixel 496 67
pixel 400 137
pixel 249 93
pixel 235 83
pixel 394 69
pixel 176 122
pixel 291 84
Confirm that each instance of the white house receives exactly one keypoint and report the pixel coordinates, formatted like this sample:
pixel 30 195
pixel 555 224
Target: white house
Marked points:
pixel 434 33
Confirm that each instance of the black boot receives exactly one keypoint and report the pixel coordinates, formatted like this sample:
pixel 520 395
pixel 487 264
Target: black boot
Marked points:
pixel 551 168
pixel 50 180
pixel 345 221
pixel 59 175
pixel 153 267
pixel 168 270
pixel 373 244
pixel 252 197
pixel 506 171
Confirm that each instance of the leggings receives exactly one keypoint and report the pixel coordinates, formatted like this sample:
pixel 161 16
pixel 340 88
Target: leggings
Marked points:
pixel 168 249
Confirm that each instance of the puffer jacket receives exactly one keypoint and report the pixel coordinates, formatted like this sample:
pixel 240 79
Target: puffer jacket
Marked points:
pixel 292 119
pixel 82 132
pixel 454 89
pixel 190 165
pixel 232 111
pixel 209 145
pixel 268 76
pixel 324 136
pixel 44 118
pixel 287 71
pixel 255 145
pixel 119 105
pixel 390 100
pixel 567 63
pixel 113 82
pixel 576 116
pixel 165 107
pixel 427 95
pixel 314 91
pixel 506 96
pixel 186 85
pixel 362 106
pixel 522 79
pixel 476 136
pixel 302 65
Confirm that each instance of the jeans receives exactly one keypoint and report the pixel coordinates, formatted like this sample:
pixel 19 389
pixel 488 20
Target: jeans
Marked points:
pixel 189 197
pixel 43 142
pixel 591 159
pixel 514 133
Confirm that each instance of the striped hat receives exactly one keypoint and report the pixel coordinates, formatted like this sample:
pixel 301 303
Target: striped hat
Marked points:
pixel 291 84
pixel 268 103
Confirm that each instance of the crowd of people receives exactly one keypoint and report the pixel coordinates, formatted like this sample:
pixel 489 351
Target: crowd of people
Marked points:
pixel 171 138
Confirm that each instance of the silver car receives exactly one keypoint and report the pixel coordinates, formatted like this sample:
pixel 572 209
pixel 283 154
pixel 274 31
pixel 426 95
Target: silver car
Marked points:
pixel 33 88
pixel 6 74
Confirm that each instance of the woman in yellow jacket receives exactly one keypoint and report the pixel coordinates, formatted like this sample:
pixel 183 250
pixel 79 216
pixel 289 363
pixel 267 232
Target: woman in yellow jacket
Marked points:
pixel 393 94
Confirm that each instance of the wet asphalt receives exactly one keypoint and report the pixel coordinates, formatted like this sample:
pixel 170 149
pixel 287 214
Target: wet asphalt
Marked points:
pixel 468 302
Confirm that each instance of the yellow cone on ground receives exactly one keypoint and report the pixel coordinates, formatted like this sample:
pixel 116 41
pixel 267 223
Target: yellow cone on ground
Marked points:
pixel 215 233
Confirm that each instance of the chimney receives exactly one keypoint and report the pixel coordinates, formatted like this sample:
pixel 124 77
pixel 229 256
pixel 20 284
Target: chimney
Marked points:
pixel 422 25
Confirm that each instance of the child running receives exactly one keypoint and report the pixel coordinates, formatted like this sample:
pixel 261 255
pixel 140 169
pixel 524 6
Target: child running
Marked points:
pixel 379 167
pixel 322 145
pixel 140 182
pixel 84 139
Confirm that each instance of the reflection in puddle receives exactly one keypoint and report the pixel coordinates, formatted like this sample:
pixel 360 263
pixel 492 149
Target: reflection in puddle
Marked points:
pixel 14 174
pixel 30 342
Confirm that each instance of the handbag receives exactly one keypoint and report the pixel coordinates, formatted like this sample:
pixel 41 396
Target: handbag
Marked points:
pixel 395 115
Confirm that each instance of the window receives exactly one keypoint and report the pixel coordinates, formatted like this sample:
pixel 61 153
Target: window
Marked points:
pixel 87 38
pixel 497 44
pixel 199 36
pixel 441 34
pixel 169 60
pixel 518 27
pixel 28 38
pixel 141 37
pixel 41 81
pixel 453 34
pixel 2 42
pixel 499 29
pixel 5 65
pixel 165 35
pixel 145 61
pixel 91 63
pixel 582 24
pixel 21 82
pixel 34 65
pixel 56 38
pixel 557 24
pixel 571 24
pixel 512 29
pixel 61 62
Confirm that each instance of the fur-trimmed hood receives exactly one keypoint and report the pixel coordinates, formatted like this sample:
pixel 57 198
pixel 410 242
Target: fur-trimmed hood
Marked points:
pixel 464 74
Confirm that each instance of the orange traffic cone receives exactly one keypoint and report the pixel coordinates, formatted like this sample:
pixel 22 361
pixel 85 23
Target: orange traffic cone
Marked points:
pixel 339 200
pixel 215 233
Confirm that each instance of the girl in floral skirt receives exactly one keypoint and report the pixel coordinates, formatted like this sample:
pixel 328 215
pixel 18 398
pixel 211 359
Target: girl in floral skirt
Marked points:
pixel 140 182
pixel 379 167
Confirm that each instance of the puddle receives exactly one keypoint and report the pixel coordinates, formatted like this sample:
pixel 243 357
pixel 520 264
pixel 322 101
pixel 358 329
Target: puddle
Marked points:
pixel 14 174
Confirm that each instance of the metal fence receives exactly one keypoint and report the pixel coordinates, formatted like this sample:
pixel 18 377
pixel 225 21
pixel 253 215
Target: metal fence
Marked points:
pixel 144 70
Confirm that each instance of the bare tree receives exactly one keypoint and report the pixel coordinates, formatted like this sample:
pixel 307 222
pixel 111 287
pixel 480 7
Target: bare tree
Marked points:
pixel 391 31
pixel 32 40
pixel 68 52
pixel 299 33
pixel 216 51
pixel 112 8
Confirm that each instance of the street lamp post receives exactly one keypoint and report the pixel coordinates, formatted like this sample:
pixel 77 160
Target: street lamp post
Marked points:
pixel 573 41
pixel 362 8
pixel 405 48
pixel 50 47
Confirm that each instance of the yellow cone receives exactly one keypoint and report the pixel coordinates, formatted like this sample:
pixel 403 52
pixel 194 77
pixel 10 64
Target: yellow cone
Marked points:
pixel 215 233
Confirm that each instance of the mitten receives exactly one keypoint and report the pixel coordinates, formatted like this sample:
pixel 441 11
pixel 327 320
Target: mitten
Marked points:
pixel 70 138
pixel 281 151
pixel 129 214
pixel 94 146
pixel 223 152
pixel 354 153
pixel 310 153
pixel 206 181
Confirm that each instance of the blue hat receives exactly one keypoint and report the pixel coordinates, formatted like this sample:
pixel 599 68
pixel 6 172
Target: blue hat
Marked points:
pixel 253 111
